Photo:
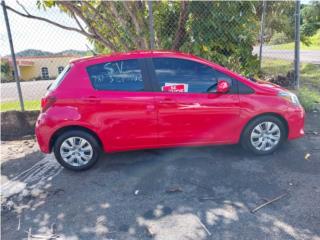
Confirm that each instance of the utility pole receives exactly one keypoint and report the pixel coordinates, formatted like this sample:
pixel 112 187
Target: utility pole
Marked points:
pixel 13 56
pixel 264 5
pixel 297 46
pixel 151 28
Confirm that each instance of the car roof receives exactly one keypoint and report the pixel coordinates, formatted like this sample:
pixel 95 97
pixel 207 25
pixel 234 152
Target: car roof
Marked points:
pixel 135 54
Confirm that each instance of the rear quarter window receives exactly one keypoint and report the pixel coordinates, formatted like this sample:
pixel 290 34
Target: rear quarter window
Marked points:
pixel 124 75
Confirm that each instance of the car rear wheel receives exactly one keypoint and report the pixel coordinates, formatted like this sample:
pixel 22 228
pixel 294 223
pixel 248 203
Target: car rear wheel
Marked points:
pixel 77 150
pixel 263 135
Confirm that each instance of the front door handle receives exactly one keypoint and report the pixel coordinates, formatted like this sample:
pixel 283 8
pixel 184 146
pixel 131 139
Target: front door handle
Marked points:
pixel 92 99
pixel 167 101
pixel 150 108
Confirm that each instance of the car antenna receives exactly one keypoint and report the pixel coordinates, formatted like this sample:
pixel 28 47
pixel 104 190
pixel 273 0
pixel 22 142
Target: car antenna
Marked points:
pixel 91 50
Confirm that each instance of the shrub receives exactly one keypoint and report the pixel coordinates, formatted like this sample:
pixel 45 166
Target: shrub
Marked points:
pixel 279 38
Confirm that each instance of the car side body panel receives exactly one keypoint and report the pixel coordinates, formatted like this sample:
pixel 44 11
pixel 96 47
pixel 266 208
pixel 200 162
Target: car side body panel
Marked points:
pixel 137 120
pixel 196 118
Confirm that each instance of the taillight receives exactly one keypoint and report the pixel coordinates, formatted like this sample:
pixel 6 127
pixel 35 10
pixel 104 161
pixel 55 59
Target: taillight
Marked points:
pixel 47 102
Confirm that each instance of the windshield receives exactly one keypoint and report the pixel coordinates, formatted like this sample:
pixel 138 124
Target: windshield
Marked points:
pixel 59 79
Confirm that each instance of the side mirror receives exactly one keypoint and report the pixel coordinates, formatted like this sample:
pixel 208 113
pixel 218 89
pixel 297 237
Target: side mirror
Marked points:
pixel 223 86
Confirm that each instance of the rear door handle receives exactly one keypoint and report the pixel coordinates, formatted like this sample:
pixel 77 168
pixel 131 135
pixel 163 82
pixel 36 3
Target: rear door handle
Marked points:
pixel 167 101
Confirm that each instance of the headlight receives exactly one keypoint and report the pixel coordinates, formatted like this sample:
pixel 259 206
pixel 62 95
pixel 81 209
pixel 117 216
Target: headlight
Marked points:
pixel 289 96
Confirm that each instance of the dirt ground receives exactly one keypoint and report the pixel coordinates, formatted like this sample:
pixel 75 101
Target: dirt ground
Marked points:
pixel 181 193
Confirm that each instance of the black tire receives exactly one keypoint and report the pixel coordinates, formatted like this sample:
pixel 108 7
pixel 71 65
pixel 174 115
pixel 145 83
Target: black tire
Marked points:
pixel 246 134
pixel 96 149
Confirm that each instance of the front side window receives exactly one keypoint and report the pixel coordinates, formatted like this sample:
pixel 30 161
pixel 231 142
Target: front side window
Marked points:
pixel 185 76
pixel 124 75
pixel 44 73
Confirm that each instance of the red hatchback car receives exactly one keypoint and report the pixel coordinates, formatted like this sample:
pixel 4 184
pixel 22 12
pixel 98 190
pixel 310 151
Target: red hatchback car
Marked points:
pixel 155 99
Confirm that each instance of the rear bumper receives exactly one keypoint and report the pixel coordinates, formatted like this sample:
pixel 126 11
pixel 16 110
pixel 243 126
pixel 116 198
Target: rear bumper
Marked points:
pixel 43 134
pixel 295 118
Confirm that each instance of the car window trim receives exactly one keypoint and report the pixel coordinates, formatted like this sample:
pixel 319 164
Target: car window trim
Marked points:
pixel 65 71
pixel 153 81
pixel 145 74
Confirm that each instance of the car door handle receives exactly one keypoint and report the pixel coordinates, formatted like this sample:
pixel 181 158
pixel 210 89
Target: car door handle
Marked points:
pixel 150 108
pixel 92 99
pixel 167 101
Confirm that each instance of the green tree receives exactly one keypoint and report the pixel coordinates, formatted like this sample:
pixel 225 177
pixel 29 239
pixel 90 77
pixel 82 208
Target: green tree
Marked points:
pixel 279 19
pixel 310 19
pixel 6 70
pixel 223 31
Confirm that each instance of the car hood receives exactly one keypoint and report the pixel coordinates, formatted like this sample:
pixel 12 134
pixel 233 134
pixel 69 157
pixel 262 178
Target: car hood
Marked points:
pixel 269 87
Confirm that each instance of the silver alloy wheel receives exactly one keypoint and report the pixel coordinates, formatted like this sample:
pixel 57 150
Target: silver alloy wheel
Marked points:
pixel 265 136
pixel 76 151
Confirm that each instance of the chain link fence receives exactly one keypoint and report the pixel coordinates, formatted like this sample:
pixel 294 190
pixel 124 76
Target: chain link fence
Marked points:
pixel 226 32
pixel 42 51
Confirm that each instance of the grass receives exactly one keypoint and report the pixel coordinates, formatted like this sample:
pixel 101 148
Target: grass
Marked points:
pixel 276 66
pixel 314 44
pixel 290 46
pixel 15 105
pixel 308 98
pixel 309 73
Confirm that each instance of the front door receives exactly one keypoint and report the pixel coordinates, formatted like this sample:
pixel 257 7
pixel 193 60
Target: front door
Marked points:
pixel 190 112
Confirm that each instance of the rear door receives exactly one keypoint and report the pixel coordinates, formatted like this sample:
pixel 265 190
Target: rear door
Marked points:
pixel 189 110
pixel 123 103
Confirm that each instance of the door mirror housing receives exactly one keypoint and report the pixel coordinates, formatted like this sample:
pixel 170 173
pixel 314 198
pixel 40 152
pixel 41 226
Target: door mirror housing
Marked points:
pixel 223 86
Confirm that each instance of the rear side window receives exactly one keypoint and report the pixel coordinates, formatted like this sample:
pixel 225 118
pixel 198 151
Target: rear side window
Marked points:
pixel 59 79
pixel 180 75
pixel 124 75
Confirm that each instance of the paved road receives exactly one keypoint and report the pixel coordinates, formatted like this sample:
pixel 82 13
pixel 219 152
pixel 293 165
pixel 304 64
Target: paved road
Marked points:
pixel 185 193
pixel 31 90
pixel 307 56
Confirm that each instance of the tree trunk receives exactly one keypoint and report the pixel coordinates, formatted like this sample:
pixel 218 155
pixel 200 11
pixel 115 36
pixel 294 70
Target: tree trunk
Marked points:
pixel 181 30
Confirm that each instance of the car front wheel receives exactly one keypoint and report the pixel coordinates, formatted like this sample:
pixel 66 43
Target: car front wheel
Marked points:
pixel 76 150
pixel 264 135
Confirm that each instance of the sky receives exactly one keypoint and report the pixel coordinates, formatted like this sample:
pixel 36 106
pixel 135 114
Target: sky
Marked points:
pixel 30 33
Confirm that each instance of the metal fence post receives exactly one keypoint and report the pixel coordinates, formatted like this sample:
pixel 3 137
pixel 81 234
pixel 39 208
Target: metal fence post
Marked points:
pixel 151 28
pixel 264 4
pixel 297 46
pixel 13 56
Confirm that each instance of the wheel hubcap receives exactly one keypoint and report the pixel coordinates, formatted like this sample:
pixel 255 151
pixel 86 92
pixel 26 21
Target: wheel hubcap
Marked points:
pixel 76 151
pixel 265 136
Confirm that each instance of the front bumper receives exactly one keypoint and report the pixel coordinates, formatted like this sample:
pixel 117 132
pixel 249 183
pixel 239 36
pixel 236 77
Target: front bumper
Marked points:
pixel 295 118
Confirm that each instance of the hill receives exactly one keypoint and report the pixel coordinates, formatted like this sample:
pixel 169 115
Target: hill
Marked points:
pixel 36 52
pixel 33 52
